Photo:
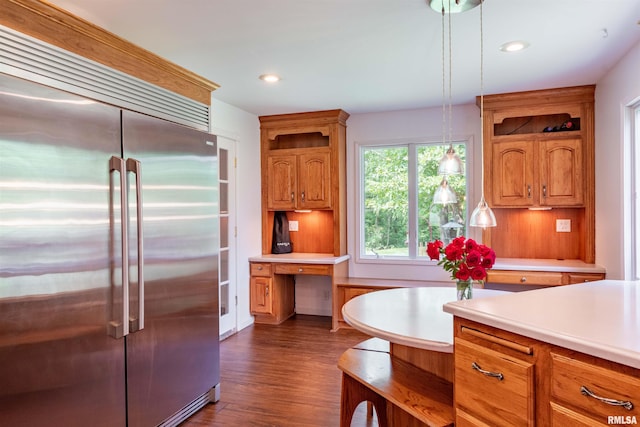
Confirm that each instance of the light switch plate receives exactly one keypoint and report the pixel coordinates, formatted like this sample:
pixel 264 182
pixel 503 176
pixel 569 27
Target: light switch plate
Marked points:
pixel 293 225
pixel 563 225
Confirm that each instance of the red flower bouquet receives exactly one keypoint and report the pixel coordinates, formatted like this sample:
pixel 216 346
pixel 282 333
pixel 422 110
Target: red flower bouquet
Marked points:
pixel 464 259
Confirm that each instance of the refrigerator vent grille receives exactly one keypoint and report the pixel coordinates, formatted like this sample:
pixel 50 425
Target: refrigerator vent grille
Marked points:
pixel 26 57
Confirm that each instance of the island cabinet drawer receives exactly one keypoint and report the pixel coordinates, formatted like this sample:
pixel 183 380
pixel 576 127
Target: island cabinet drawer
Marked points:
pixel 260 269
pixel 593 390
pixel 544 278
pixel 493 387
pixel 322 270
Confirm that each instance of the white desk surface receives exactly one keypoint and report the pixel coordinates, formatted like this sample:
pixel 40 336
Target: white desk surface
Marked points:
pixel 408 316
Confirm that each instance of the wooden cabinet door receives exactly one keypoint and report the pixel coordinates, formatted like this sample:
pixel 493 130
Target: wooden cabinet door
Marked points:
pixel 281 182
pixel 513 174
pixel 314 180
pixel 261 295
pixel 561 173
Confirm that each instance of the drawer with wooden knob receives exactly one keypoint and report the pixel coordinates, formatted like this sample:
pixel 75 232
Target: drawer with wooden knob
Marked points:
pixel 544 278
pixel 260 269
pixel 322 270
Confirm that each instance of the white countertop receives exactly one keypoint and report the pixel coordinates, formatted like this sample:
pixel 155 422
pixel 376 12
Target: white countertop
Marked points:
pixel 408 316
pixel 301 258
pixel 529 264
pixel 599 318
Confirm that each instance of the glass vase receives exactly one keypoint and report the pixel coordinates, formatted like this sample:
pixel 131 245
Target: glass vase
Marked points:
pixel 464 289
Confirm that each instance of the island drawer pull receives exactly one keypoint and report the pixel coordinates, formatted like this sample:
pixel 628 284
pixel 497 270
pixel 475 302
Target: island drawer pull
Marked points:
pixel 628 405
pixel 497 375
pixel 501 341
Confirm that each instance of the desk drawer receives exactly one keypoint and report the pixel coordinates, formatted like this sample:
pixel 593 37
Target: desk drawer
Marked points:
pixel 570 377
pixel 546 278
pixel 260 269
pixel 318 269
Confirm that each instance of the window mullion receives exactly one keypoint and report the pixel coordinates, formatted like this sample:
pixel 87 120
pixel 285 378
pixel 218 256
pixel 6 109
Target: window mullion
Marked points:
pixel 413 200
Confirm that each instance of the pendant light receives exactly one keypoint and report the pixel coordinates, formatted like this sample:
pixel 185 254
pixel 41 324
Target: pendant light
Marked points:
pixel 482 215
pixel 444 194
pixel 450 163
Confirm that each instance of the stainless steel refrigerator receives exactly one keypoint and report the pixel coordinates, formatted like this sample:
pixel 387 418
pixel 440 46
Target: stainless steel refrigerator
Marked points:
pixel 108 263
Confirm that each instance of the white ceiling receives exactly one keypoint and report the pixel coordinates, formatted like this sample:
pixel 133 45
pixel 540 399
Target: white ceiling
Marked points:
pixel 370 55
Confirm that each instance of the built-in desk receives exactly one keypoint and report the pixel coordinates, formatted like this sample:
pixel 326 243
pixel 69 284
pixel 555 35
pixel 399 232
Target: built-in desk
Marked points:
pixel 272 286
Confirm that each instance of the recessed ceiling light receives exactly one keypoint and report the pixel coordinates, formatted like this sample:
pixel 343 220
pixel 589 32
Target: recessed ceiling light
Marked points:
pixel 270 78
pixel 514 46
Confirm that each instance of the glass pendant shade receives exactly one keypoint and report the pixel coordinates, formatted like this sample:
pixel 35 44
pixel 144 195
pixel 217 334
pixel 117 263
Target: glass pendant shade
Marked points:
pixel 450 164
pixel 482 216
pixel 444 195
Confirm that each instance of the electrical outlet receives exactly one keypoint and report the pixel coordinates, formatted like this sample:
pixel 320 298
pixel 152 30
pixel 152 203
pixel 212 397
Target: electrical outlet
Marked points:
pixel 563 225
pixel 293 225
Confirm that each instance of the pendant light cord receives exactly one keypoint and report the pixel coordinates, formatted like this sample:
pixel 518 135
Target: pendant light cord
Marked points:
pixel 481 102
pixel 444 114
pixel 450 73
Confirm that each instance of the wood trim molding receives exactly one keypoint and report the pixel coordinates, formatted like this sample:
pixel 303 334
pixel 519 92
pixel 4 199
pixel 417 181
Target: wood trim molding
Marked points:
pixel 58 27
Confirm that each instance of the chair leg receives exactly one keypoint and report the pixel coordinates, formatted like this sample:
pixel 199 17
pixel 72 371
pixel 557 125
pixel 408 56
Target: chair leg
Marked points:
pixel 353 393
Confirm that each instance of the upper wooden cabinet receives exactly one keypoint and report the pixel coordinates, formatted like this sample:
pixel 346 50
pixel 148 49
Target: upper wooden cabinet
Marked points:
pixel 539 162
pixel 303 173
pixel 535 172
pixel 301 180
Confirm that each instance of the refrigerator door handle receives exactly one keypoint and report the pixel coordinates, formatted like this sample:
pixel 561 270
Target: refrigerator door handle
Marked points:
pixel 120 328
pixel 134 167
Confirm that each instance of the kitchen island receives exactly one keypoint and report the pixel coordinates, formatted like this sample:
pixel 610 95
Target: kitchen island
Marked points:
pixel 566 355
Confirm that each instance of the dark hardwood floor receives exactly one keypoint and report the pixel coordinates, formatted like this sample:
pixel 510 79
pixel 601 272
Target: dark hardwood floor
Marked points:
pixel 283 375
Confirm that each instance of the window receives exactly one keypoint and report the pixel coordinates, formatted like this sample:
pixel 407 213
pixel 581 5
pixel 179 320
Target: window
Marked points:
pixel 398 215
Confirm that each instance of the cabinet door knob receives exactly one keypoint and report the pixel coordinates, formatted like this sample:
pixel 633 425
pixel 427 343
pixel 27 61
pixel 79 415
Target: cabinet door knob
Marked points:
pixel 259 268
pixel 523 279
pixel 528 191
pixel 300 270
pixel 266 292
pixel 302 195
pixel 544 191
pixel 292 196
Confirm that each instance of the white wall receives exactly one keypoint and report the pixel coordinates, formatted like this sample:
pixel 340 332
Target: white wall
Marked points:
pixel 410 125
pixel 244 128
pixel 614 92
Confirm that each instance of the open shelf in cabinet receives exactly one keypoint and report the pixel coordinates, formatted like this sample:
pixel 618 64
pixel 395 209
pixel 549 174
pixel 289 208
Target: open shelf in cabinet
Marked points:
pixel 299 140
pixel 548 123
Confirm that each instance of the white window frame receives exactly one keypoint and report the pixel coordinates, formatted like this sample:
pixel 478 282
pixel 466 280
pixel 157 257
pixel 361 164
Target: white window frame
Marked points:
pixel 412 143
pixel 633 120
